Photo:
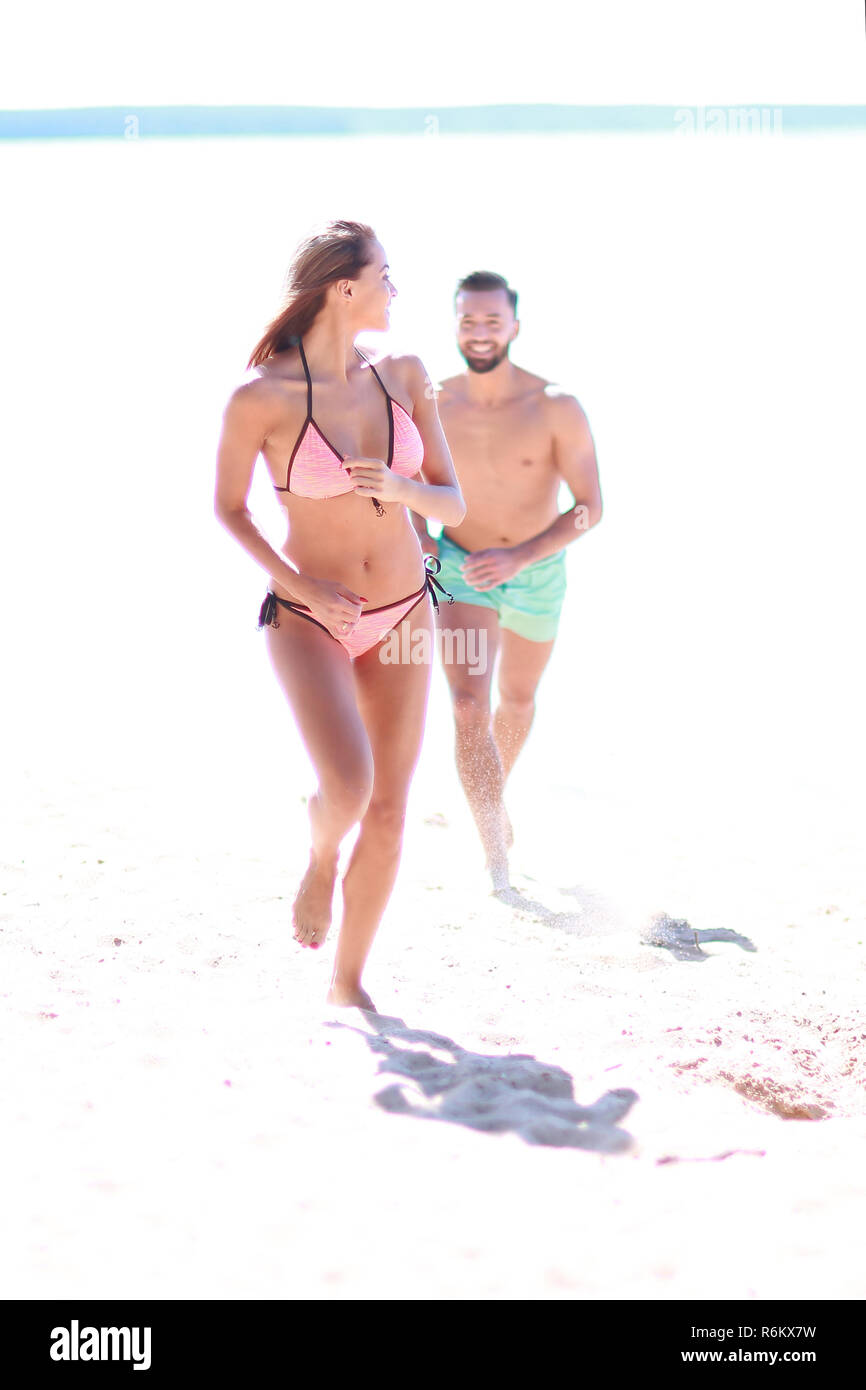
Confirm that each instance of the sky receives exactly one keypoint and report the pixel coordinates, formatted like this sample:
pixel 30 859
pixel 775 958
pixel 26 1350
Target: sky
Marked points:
pixel 396 53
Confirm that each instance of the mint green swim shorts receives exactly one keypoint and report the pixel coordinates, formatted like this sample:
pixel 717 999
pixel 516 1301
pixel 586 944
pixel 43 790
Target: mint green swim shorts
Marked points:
pixel 529 604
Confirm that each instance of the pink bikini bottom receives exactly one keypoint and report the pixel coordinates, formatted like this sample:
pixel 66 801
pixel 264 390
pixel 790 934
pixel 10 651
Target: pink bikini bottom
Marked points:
pixel 373 624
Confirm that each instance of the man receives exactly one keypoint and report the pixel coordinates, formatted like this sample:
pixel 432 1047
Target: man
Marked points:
pixel 514 438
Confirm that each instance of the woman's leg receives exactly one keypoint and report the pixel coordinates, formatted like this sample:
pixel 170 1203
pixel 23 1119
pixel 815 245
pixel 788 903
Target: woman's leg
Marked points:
pixel 392 699
pixel 316 676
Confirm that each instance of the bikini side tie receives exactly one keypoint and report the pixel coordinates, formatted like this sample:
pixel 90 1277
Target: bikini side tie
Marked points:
pixel 430 581
pixel 268 611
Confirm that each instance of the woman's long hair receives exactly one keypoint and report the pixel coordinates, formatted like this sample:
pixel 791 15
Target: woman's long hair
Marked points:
pixel 337 251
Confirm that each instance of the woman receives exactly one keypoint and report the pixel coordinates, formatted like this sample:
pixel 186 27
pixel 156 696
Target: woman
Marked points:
pixel 344 443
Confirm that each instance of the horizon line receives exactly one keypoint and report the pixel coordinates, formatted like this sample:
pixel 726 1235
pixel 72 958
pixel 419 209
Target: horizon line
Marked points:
pixel 200 119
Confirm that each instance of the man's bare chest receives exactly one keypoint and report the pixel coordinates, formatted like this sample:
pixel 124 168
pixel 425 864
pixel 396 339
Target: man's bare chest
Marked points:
pixel 513 440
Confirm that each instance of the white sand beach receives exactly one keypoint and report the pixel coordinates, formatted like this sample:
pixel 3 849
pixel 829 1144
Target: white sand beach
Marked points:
pixel 189 1120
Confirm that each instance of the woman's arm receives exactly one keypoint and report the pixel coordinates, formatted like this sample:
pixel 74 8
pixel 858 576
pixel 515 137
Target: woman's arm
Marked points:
pixel 429 544
pixel 439 495
pixel 251 412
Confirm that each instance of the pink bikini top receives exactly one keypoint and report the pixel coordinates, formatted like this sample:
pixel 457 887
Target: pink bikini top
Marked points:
pixel 316 468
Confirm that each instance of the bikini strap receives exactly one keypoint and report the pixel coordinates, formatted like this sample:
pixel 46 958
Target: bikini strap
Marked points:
pixel 380 510
pixel 309 381
pixel 377 376
pixel 390 401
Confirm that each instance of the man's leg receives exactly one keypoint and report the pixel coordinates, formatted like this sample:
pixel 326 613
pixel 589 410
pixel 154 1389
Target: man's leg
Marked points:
pixel 469 639
pixel 520 669
pixel 529 617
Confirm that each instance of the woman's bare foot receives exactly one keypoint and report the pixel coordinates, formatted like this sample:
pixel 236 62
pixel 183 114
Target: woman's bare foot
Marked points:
pixel 311 910
pixel 351 997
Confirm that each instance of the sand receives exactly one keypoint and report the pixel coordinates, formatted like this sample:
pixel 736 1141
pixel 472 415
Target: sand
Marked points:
pixel 548 1106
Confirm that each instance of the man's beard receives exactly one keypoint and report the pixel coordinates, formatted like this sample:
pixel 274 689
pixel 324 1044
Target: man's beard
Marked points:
pixel 484 364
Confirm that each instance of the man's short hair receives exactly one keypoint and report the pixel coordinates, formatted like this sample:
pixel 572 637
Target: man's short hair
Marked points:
pixel 487 280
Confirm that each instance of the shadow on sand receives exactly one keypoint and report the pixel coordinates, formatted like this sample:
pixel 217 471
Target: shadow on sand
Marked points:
pixel 683 941
pixel 498 1094
pixel 594 915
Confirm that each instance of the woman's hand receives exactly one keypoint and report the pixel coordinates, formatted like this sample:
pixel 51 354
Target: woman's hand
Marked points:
pixel 373 478
pixel 333 605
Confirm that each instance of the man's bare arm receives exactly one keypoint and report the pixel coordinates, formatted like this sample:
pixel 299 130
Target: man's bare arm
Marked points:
pixel 574 454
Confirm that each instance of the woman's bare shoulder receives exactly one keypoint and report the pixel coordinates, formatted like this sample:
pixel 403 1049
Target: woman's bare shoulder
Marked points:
pixel 264 387
pixel 401 369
